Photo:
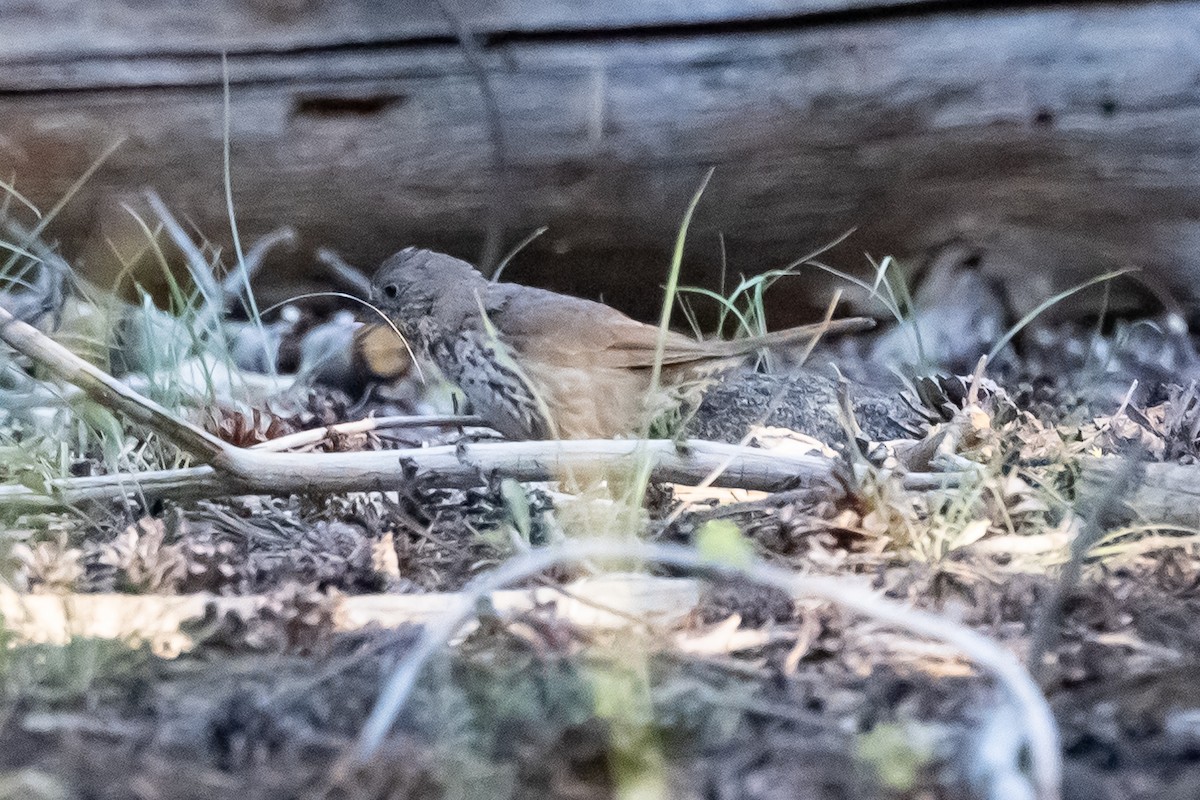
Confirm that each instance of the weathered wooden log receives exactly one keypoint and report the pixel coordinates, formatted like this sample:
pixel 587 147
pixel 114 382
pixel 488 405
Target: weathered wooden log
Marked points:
pixel 1056 141
pixel 597 603
pixel 79 27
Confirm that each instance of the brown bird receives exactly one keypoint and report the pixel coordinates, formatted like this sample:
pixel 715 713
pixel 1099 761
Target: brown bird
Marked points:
pixel 535 364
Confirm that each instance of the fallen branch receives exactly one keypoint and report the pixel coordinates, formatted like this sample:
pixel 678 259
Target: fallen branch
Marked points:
pixel 601 603
pixel 449 466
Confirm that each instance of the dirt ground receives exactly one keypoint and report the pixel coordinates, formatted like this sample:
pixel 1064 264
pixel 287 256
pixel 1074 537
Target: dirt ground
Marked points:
pixel 268 707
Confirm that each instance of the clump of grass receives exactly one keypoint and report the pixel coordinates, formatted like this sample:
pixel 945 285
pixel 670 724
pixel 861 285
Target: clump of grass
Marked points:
pixel 743 306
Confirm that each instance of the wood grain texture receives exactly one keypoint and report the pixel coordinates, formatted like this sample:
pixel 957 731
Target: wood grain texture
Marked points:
pixel 52 29
pixel 1056 141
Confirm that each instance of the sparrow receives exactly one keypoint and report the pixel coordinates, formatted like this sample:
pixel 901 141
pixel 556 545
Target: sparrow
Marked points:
pixel 535 364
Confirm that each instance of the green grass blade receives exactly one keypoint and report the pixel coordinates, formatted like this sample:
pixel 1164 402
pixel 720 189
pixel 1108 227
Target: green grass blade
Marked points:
pixel 900 301
pixel 890 304
pixel 727 305
pixel 20 198
pixel 664 322
pixel 641 480
pixel 20 251
pixel 252 303
pixel 511 254
pixel 1045 304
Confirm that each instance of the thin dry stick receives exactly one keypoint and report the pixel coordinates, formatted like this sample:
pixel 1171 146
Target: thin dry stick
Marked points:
pixel 316 435
pixel 976 380
pixel 533 461
pixel 1041 732
pixel 717 472
pixel 826 322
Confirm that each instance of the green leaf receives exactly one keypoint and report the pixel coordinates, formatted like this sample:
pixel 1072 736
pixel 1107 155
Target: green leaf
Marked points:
pixel 720 540
pixel 897 755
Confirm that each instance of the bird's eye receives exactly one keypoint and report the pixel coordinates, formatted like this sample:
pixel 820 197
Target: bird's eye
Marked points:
pixel 391 291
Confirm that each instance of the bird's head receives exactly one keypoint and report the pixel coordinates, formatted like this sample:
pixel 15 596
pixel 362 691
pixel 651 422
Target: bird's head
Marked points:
pixel 414 283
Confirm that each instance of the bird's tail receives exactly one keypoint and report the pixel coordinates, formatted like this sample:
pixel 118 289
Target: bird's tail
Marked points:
pixel 800 334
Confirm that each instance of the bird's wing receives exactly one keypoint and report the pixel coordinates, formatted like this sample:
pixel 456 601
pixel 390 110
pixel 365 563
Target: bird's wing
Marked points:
pixel 571 332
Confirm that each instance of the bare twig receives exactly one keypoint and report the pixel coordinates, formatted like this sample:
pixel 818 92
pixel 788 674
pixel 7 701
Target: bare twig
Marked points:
pixel 976 380
pixel 309 437
pixel 597 604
